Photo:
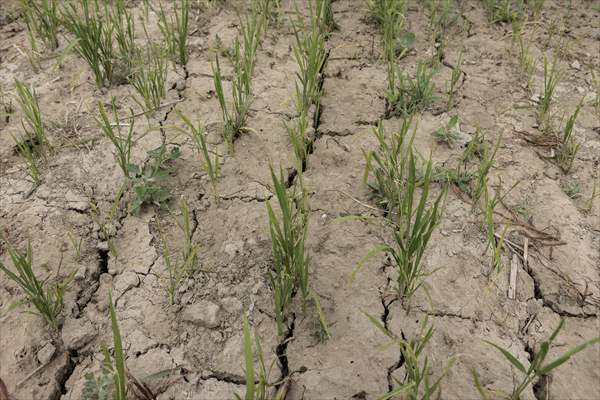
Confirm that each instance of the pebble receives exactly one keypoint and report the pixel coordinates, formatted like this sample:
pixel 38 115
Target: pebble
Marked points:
pixel 45 354
pixel 576 65
pixel 203 313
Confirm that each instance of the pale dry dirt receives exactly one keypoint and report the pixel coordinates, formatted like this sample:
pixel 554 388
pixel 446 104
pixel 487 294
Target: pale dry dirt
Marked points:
pixel 200 338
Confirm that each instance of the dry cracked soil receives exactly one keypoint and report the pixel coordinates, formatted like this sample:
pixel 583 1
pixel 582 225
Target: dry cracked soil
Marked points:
pixel 199 339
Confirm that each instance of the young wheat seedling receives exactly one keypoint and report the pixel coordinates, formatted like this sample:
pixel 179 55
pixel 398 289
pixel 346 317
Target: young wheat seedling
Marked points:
pixel 175 30
pixel 416 383
pixel 568 146
pixel 33 169
pixel 185 262
pixel 456 73
pixel 94 34
pixel 257 382
pixel 123 145
pixel 112 367
pixel 411 95
pixel 552 75
pixel 47 301
pixel 32 124
pixel 149 80
pixel 211 166
pixel 412 219
pixel 42 20
pixel 483 170
pixel 538 367
pixel 290 262
pixel 243 59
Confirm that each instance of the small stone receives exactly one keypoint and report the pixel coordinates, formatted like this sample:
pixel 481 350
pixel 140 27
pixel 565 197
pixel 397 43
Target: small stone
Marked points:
pixel 444 233
pixel 76 333
pixel 112 271
pixel 232 305
pixel 580 90
pixel 323 216
pixel 576 65
pixel 80 274
pixel 102 246
pixel 203 313
pixel 46 353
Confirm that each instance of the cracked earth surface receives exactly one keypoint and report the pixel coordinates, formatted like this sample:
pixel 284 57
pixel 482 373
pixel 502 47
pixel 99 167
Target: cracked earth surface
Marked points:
pixel 205 356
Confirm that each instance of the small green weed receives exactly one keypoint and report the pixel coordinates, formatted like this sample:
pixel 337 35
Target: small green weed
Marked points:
pixel 24 149
pixel 448 134
pixel 483 169
pixel 572 188
pixel 148 180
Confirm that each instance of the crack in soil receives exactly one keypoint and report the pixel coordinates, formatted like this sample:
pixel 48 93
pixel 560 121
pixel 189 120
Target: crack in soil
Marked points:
pixel 281 353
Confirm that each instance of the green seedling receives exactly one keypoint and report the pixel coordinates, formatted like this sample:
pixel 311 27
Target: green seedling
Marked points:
pixel 149 80
pixel 493 242
pixel 410 95
pixel 148 180
pixel 590 202
pixel 448 134
pixel 454 176
pixel 123 144
pixel 504 10
pixel 47 300
pixel 268 9
pixel 184 264
pixel 596 99
pixel 311 57
pixel 76 244
pixel 243 59
pixel 552 75
pixel 475 147
pixel 25 151
pixel 124 33
pixel 94 35
pixel 526 63
pixel 538 368
pixel 535 6
pixel 257 381
pixel 442 15
pixel 483 170
pixel 456 73
pixel 412 218
pixel 290 263
pixel 105 224
pixel 42 20
pixel 416 384
pixel 212 167
pixel 175 30
pixel 300 143
pixel 113 367
pixel 32 124
pixel 572 188
pixel 568 146
pixel 388 165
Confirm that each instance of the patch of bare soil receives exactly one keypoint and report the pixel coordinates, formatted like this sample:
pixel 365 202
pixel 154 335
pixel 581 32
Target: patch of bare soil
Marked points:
pixel 199 339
